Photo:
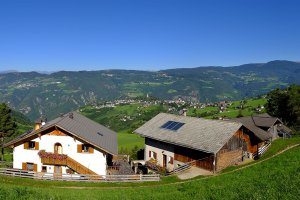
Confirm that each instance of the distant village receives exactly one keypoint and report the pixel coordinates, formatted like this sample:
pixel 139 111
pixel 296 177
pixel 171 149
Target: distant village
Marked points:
pixel 175 106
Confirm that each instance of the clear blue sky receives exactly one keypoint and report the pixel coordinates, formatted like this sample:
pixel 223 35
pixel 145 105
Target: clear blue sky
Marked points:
pixel 51 35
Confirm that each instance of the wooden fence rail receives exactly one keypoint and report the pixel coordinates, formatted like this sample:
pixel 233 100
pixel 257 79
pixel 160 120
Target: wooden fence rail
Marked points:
pixel 78 177
pixel 187 166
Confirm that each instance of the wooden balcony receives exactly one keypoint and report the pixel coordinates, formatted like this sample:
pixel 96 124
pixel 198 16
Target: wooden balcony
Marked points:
pixel 61 159
pixel 52 161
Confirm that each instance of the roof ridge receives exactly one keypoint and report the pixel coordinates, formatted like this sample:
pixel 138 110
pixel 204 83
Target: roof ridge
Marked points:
pixel 200 118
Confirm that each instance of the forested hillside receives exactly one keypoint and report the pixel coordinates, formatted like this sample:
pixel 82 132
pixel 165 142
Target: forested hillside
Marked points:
pixel 33 93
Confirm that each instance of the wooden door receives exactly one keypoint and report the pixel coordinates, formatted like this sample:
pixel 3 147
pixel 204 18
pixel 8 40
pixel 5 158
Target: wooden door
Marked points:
pixel 57 171
pixel 164 160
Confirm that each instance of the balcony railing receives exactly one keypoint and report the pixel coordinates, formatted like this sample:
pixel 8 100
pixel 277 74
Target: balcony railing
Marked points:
pixel 52 161
pixel 53 158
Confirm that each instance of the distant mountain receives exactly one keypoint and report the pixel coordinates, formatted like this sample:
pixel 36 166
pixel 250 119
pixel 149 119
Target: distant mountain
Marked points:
pixel 33 93
pixel 8 71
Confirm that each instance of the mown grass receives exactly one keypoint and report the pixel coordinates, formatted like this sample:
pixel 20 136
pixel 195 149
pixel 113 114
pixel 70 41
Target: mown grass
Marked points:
pixel 127 141
pixel 276 178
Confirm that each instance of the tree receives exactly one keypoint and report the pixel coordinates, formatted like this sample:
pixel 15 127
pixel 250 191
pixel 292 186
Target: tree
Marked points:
pixel 7 125
pixel 285 104
pixel 240 114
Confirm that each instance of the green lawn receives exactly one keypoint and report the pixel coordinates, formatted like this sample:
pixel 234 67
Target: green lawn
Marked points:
pixel 127 141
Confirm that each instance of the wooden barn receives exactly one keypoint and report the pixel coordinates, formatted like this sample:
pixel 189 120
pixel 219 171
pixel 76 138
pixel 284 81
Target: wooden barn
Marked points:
pixel 262 123
pixel 173 140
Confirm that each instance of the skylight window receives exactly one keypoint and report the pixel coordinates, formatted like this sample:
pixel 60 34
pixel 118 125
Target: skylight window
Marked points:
pixel 172 125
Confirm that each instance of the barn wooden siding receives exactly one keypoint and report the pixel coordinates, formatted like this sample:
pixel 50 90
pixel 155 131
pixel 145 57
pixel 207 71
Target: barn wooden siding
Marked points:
pixel 253 142
pixel 231 152
pixel 204 160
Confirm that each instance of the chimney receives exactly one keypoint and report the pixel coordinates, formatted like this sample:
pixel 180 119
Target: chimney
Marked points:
pixel 184 111
pixel 38 124
pixel 71 115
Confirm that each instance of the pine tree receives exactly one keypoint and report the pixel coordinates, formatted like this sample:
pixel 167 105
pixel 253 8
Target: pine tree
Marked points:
pixel 7 125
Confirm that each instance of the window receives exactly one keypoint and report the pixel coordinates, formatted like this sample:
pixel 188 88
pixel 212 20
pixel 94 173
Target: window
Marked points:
pixel 31 145
pixel 85 148
pixel 30 166
pixel 153 155
pixel 172 125
pixel 44 168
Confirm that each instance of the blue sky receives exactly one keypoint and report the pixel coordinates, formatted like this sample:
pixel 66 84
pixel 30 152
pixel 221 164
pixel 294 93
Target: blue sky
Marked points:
pixel 51 35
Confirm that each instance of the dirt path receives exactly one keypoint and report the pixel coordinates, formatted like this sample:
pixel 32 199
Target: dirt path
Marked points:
pixel 180 182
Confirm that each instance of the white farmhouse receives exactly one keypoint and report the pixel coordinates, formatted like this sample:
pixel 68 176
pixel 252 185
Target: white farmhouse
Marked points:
pixel 71 143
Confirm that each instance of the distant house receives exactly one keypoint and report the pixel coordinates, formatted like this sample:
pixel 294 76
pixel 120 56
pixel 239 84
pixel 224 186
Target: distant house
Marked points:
pixel 173 140
pixel 71 143
pixel 262 123
pixel 222 106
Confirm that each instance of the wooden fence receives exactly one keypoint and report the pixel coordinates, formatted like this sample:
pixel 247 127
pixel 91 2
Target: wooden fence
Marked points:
pixel 187 166
pixel 78 177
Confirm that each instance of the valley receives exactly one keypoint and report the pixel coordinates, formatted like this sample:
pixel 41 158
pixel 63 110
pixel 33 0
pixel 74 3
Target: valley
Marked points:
pixel 34 94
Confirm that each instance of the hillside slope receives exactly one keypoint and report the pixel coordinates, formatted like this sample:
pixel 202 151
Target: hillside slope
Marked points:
pixel 33 93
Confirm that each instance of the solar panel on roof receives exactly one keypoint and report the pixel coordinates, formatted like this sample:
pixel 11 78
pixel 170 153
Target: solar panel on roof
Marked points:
pixel 177 126
pixel 172 125
pixel 166 124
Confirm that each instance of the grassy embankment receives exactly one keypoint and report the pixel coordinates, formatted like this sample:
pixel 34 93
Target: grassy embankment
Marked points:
pixel 275 178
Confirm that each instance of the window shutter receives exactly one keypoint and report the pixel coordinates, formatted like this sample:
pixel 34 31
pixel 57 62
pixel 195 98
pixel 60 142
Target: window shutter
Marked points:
pixel 149 154
pixel 154 155
pixel 24 165
pixel 26 145
pixel 171 160
pixel 91 150
pixel 35 167
pixel 37 146
pixel 79 148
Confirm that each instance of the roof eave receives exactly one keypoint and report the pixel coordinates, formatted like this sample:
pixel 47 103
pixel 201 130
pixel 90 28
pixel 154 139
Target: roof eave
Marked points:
pixel 174 143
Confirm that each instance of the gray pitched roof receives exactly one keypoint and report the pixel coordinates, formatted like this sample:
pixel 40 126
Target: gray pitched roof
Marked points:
pixel 200 134
pixel 249 123
pixel 265 120
pixel 83 128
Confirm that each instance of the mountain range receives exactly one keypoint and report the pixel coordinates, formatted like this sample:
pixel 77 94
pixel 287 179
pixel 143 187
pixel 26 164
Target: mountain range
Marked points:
pixel 34 93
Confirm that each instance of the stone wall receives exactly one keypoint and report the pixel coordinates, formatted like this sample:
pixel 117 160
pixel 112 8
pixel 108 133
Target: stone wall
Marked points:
pixel 228 158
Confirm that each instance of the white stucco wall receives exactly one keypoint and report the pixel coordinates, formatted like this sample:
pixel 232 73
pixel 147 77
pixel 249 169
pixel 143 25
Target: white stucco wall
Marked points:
pixel 94 161
pixel 160 149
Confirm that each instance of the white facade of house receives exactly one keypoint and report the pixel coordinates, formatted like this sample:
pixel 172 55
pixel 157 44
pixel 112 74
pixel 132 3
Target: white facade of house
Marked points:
pixel 95 161
pixel 161 149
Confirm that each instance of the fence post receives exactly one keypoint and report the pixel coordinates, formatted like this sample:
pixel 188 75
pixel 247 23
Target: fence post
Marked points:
pixel 141 177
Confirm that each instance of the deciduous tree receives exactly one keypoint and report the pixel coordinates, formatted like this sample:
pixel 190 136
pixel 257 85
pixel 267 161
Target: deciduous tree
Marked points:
pixel 7 125
pixel 285 104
